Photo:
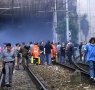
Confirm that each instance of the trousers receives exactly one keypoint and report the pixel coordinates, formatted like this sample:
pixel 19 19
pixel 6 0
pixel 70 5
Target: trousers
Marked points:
pixel 92 68
pixel 8 72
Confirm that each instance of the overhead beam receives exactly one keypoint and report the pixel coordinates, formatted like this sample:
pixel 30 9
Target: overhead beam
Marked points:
pixel 9 8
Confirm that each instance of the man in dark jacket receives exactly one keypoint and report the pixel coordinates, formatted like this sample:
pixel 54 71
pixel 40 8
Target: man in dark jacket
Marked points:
pixel 24 50
pixel 70 51
pixel 42 57
pixel 62 52
pixel 48 48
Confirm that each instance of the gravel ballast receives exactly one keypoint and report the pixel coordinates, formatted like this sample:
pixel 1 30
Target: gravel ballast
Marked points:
pixel 58 78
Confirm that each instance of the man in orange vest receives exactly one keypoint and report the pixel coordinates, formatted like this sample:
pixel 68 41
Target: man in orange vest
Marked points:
pixel 35 52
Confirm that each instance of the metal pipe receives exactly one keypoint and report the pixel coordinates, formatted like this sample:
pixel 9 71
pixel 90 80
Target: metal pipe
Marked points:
pixel 55 22
pixel 67 22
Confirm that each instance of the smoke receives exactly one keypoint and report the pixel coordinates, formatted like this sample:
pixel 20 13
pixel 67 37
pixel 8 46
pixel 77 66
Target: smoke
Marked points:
pixel 25 30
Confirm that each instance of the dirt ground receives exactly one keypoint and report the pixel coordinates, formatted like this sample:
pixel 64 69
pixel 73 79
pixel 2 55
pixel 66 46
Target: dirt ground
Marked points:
pixel 58 78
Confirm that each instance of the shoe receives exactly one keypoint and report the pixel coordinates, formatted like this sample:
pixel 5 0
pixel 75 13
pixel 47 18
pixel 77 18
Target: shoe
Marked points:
pixel 8 85
pixel 91 79
pixel 3 85
pixel 23 68
pixel 27 65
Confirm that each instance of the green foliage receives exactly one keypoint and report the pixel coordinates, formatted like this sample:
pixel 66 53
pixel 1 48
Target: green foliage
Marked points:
pixel 61 30
pixel 84 25
pixel 73 26
pixel 74 29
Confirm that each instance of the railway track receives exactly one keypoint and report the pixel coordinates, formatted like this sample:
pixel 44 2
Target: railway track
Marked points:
pixel 80 66
pixel 83 69
pixel 39 84
pixel 84 66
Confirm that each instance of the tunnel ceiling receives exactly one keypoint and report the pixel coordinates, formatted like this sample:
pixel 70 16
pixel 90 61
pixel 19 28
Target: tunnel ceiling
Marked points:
pixel 28 7
pixel 41 12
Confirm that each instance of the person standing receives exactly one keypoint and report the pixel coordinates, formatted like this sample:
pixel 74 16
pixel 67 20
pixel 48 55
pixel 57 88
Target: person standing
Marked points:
pixel 62 52
pixel 31 45
pixel 80 50
pixel 24 51
pixel 70 52
pixel 17 51
pixel 47 52
pixel 53 52
pixel 90 57
pixel 42 56
pixel 9 58
pixel 36 53
pixel 58 51
pixel 83 48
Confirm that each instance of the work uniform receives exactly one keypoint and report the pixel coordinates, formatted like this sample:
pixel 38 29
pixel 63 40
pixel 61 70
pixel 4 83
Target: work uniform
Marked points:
pixel 36 53
pixel 9 58
pixel 53 52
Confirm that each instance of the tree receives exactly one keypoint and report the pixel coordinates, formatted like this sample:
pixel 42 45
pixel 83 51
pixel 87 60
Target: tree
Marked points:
pixel 84 25
pixel 73 26
pixel 61 30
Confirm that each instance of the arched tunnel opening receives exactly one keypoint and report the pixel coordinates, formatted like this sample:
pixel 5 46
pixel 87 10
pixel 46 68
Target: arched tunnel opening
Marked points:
pixel 31 20
pixel 26 20
pixel 25 29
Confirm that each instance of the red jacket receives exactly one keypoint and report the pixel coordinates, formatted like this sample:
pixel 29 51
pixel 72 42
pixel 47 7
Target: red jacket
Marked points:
pixel 53 51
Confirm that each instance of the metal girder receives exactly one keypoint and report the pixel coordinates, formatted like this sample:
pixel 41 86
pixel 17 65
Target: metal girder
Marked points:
pixel 9 8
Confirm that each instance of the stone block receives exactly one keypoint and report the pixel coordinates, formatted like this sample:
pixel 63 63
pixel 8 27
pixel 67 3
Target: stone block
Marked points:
pixel 76 77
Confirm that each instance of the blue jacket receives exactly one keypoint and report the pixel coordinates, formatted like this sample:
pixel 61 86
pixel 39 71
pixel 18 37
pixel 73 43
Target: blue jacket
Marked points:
pixel 90 52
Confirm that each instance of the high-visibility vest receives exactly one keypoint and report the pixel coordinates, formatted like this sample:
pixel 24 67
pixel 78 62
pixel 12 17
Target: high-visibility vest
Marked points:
pixel 36 51
pixel 32 59
pixel 56 59
pixel 53 51
pixel 38 60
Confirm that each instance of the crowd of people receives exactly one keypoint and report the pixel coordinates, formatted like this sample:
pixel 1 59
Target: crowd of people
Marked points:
pixel 36 53
pixel 47 52
pixel 44 53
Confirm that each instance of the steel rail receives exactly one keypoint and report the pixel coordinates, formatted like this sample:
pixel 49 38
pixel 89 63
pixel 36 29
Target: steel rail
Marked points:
pixel 35 79
pixel 75 66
